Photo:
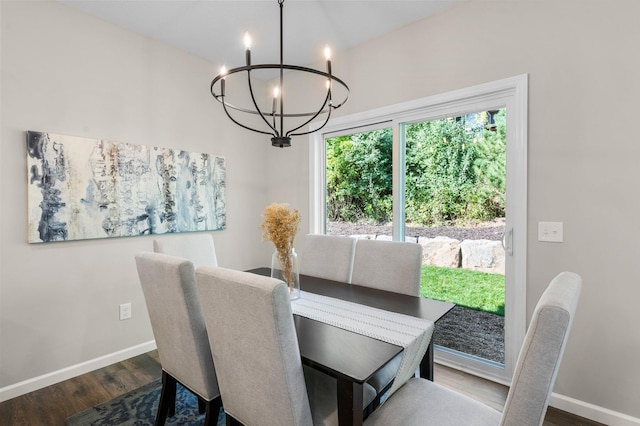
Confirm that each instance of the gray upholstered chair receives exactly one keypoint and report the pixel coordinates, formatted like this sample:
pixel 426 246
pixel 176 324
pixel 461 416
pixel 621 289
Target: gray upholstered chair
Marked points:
pixel 170 293
pixel 197 247
pixel 255 349
pixel 421 402
pixel 388 265
pixel 326 256
pixel 391 266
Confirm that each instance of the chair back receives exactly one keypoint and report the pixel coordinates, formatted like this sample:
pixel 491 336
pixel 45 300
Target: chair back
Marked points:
pixel 327 256
pixel 388 265
pixel 543 347
pixel 197 247
pixel 255 347
pixel 170 293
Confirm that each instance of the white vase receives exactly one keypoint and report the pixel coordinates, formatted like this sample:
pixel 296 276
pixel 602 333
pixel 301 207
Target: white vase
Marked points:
pixel 285 267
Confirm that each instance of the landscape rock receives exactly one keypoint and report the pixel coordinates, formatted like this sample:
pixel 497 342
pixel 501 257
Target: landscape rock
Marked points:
pixel 390 238
pixel 483 251
pixel 363 236
pixel 440 251
pixel 483 255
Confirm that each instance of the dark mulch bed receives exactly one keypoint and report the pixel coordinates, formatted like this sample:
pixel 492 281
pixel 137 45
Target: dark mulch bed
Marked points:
pixel 462 329
pixel 486 231
pixel 472 332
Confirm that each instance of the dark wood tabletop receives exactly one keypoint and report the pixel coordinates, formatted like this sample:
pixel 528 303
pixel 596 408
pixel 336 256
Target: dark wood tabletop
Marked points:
pixel 350 357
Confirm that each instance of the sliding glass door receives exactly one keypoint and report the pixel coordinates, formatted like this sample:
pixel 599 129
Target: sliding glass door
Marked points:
pixel 448 172
pixel 455 207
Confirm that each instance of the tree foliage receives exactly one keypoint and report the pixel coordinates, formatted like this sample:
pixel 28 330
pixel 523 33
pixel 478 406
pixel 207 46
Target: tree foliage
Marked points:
pixel 455 172
pixel 359 179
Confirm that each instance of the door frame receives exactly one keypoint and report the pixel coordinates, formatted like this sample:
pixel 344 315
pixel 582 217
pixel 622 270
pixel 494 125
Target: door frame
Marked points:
pixel 511 93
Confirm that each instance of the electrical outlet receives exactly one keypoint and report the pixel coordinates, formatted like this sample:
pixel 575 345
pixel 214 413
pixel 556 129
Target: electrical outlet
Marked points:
pixel 550 232
pixel 125 311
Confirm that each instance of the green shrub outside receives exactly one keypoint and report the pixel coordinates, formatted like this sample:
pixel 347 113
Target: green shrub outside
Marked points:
pixel 455 172
pixel 359 177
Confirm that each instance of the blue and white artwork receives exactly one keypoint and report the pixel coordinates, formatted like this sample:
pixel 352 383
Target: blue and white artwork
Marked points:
pixel 81 188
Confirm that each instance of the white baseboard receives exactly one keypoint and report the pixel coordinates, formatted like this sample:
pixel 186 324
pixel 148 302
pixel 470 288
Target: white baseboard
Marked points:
pixel 58 376
pixel 592 412
pixel 564 403
pixel 442 358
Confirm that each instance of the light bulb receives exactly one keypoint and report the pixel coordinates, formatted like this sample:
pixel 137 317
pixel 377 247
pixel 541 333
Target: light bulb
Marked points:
pixel 327 53
pixel 223 70
pixel 247 41
pixel 276 92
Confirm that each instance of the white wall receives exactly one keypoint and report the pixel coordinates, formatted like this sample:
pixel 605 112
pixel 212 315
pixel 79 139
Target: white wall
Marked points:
pixel 582 61
pixel 65 72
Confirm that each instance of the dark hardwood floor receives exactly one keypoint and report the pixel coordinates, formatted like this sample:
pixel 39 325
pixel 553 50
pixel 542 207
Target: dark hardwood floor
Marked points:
pixel 52 405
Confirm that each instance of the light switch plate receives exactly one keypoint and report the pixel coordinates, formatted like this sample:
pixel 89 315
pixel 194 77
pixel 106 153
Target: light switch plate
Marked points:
pixel 125 311
pixel 550 232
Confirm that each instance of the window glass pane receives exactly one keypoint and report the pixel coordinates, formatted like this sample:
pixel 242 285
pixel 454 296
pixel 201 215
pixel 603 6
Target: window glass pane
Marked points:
pixel 359 183
pixel 455 169
pixel 455 185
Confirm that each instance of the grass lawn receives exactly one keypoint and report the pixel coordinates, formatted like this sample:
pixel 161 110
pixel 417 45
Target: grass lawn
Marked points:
pixel 472 289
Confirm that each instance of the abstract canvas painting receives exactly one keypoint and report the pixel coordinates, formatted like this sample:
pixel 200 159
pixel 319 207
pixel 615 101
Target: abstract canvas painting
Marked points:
pixel 81 188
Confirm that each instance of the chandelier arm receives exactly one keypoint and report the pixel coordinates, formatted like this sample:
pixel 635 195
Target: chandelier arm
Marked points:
pixel 224 106
pixel 327 100
pixel 277 67
pixel 346 98
pixel 255 104
pixel 316 129
pixel 237 108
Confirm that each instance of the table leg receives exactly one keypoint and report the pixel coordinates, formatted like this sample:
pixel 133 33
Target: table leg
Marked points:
pixel 426 365
pixel 349 403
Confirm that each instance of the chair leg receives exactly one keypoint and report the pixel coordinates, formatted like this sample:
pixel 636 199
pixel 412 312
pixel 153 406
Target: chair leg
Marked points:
pixel 232 422
pixel 167 404
pixel 376 402
pixel 202 405
pixel 212 410
pixel 172 395
pixel 370 408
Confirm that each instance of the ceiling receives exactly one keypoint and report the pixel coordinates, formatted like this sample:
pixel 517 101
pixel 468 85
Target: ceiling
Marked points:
pixel 214 29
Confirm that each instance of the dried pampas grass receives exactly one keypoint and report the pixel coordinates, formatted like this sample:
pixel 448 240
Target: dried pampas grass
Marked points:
pixel 280 226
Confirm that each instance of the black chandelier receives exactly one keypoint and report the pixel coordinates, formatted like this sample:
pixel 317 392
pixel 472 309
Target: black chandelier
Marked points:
pixel 273 119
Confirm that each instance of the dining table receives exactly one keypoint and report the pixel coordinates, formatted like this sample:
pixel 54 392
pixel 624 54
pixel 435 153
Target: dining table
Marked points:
pixel 353 358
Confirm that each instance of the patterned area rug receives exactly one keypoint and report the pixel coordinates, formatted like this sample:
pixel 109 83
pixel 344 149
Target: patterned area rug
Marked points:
pixel 139 407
